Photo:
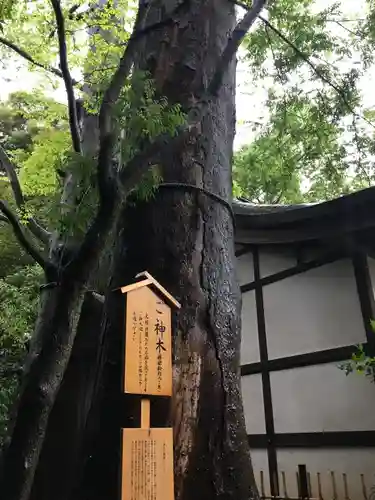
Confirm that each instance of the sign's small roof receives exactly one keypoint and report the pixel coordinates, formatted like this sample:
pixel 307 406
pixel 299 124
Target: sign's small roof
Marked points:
pixel 150 281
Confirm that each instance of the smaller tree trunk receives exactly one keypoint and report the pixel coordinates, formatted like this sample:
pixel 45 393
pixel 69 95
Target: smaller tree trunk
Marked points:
pixel 60 460
pixel 49 355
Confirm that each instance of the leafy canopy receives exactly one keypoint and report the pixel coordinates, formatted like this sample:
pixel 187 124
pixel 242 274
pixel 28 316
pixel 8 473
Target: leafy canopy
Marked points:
pixel 316 140
pixel 19 297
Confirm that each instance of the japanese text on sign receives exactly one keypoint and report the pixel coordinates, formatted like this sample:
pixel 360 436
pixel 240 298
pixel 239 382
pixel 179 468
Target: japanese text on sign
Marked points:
pixel 147 464
pixel 148 356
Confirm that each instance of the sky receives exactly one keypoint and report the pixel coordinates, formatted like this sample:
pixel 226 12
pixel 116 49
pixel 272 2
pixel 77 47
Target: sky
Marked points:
pixel 250 99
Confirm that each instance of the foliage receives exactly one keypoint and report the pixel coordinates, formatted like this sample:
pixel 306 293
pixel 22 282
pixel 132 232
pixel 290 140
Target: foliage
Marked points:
pixel 311 59
pixel 258 176
pixel 72 216
pixel 19 296
pixel 11 255
pixel 38 175
pixel 6 9
pixel 316 141
pixel 24 116
pixel 32 27
pixel 33 132
pixel 140 115
pixel 144 115
pixel 361 362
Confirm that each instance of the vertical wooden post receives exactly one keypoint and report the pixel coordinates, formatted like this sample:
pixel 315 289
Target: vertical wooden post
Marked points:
pixel 303 488
pixel 309 484
pixel 320 491
pixel 285 491
pixel 262 490
pixel 346 488
pixel 145 413
pixel 364 489
pixel 334 489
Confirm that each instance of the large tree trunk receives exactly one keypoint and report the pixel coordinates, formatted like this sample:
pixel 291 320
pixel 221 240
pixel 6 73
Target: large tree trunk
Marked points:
pixel 185 239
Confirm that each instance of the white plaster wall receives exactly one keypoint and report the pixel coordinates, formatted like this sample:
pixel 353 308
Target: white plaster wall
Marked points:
pixel 315 310
pixel 271 261
pixel 322 398
pixel 245 268
pixel 249 339
pixel 308 312
pixel 252 396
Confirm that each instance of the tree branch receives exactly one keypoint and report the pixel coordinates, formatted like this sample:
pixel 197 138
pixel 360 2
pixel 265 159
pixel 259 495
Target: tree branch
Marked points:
pixel 10 170
pixel 141 162
pixel 305 58
pixel 73 119
pixel 12 176
pixel 233 44
pixel 324 79
pixel 21 52
pixel 136 168
pixel 107 184
pixel 113 91
pixel 20 234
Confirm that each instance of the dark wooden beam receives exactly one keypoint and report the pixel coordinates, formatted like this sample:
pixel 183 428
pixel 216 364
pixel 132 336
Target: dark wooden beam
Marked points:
pixel 266 381
pixel 337 439
pixel 244 250
pixel 365 296
pixel 292 271
pixel 311 358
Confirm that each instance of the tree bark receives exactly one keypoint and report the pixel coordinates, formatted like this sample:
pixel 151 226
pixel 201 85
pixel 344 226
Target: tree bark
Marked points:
pixel 54 336
pixel 185 239
pixel 68 420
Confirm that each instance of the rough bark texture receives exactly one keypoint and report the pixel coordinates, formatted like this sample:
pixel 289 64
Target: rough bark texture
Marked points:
pixel 186 241
pixel 54 337
pixel 67 423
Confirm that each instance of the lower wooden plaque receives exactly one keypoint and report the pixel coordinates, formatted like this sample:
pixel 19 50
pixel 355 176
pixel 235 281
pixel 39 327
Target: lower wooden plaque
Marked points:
pixel 147 464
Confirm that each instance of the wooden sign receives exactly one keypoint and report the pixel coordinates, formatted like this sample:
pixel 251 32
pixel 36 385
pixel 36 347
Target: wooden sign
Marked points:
pixel 147 464
pixel 148 346
pixel 147 454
